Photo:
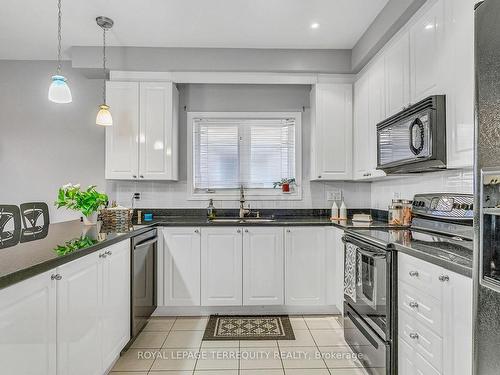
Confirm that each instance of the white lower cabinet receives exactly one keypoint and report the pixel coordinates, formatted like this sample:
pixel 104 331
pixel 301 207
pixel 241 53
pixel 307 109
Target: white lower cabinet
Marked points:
pixel 434 319
pixel 305 266
pixel 221 266
pixel 115 301
pixel 79 296
pixel 263 266
pixel 182 261
pixel 28 327
pixel 334 266
pixel 74 319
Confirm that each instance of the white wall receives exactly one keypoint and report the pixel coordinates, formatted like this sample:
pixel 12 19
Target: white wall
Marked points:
pixel 45 145
pixel 240 98
pixel 405 187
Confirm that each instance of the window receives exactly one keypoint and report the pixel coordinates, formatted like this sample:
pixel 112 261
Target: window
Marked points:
pixel 250 149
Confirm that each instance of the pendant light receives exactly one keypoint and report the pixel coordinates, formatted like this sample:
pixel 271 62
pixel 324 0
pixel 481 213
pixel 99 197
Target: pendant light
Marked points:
pixel 104 117
pixel 59 91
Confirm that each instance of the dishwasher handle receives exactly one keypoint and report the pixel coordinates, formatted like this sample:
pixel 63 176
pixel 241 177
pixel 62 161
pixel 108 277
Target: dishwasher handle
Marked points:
pixel 146 243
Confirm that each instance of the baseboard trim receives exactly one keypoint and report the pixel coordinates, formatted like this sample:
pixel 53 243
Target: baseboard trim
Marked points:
pixel 244 310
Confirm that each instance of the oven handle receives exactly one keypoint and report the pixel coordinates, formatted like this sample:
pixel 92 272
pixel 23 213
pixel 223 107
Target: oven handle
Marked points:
pixel 366 249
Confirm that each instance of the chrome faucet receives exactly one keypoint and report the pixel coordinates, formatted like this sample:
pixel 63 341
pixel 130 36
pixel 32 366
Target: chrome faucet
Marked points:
pixel 243 211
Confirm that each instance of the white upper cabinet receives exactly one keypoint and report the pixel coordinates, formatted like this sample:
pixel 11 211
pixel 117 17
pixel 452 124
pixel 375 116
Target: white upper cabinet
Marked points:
pixel 397 75
pixel 159 103
pixel 28 327
pixel 361 141
pixel 182 257
pixel 263 266
pixel 305 266
pixel 460 85
pixel 427 57
pixel 221 266
pixel 331 125
pixel 122 147
pixel 369 110
pixel 142 143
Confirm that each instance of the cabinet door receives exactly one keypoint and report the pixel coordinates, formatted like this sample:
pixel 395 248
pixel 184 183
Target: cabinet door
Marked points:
pixel 397 75
pixel 263 266
pixel 376 113
pixel 221 266
pixel 334 266
pixel 331 131
pixel 361 139
pixel 305 266
pixel 116 301
pixel 28 327
pixel 457 324
pixel 158 131
pixel 79 317
pixel 122 149
pixel 181 269
pixel 426 53
pixel 460 87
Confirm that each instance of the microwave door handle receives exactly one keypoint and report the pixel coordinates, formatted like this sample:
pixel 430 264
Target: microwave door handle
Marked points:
pixel 416 150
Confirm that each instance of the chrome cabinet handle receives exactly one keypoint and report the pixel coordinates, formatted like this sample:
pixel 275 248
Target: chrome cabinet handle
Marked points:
pixel 246 230
pixel 102 255
pixel 196 231
pixel 413 304
pixel 444 278
pixel 288 230
pixel 55 277
pixel 413 273
pixel 108 252
pixel 319 176
pixel 413 336
pixel 238 231
pixel 141 176
pixel 134 176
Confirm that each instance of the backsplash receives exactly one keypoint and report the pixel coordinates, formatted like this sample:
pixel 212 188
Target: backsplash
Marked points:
pixel 165 194
pixel 405 187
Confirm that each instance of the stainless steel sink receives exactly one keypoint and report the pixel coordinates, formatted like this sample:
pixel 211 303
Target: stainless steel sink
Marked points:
pixel 254 220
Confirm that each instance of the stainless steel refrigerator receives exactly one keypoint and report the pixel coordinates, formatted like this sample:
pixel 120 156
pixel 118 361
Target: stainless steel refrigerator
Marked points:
pixel 487 190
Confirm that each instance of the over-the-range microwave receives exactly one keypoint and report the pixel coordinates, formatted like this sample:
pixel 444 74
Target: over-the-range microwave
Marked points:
pixel 414 140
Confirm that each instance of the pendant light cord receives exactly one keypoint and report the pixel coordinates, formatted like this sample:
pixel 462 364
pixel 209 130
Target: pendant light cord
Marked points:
pixel 59 16
pixel 104 64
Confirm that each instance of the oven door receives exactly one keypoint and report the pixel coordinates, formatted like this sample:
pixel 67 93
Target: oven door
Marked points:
pixel 373 352
pixel 367 283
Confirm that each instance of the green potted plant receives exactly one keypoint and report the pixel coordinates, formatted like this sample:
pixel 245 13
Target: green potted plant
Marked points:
pixel 88 202
pixel 285 184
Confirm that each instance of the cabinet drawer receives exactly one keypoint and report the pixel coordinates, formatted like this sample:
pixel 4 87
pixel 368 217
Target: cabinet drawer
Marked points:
pixel 421 306
pixel 412 363
pixel 419 274
pixel 425 342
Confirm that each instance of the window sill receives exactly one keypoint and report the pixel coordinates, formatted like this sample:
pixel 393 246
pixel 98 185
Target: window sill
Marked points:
pixel 249 196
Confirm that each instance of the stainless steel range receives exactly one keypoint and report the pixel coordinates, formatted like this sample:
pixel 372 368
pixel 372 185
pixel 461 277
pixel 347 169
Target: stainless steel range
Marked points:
pixel 441 232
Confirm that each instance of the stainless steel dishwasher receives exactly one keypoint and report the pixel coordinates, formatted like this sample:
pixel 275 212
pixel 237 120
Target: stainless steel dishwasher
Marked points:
pixel 143 288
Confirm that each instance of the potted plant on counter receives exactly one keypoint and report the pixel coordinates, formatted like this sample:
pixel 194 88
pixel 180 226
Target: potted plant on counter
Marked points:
pixel 88 202
pixel 285 184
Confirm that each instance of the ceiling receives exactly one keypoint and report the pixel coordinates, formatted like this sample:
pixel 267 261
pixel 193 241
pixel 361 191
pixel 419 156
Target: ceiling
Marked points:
pixel 29 31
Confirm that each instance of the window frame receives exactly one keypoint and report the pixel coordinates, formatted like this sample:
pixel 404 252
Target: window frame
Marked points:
pixel 250 194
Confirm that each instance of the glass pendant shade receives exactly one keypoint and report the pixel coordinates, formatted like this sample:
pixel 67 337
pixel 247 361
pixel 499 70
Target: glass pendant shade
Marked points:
pixel 59 91
pixel 104 117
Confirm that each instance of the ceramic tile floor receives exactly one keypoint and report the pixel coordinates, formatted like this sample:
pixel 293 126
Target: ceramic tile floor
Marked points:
pixel 174 346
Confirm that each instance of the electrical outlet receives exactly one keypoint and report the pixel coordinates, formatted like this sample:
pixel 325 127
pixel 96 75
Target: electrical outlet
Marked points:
pixel 137 196
pixel 334 195
pixel 396 195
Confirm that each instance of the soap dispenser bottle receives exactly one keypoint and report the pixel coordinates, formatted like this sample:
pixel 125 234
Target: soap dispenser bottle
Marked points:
pixel 343 211
pixel 211 212
pixel 334 213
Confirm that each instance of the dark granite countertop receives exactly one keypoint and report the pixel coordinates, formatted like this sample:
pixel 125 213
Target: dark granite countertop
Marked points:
pixel 452 254
pixel 24 254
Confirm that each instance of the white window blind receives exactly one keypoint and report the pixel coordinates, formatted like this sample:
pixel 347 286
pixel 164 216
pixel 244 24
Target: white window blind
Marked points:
pixel 254 153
